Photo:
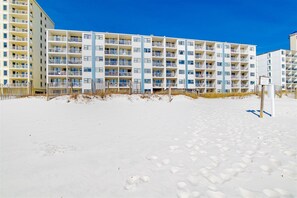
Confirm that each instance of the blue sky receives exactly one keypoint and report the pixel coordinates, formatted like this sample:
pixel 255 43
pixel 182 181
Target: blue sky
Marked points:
pixel 266 23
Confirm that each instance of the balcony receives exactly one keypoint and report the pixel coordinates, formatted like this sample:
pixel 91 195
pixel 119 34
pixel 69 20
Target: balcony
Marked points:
pixel 20 76
pixel 20 3
pixel 75 73
pixel 19 39
pixel 75 62
pixel 171 45
pixel 170 75
pixel 111 73
pixel 157 54
pixel 244 68
pixel 199 75
pixel 17 57
pixel 234 68
pixel 244 52
pixel 57 50
pixel 244 77
pixel 244 85
pixel 210 57
pixel 18 21
pixel 111 52
pixel 111 84
pixel 125 53
pixel 125 63
pixel 209 48
pixel 111 63
pixel 170 55
pixel 127 74
pixel 244 60
pixel 20 30
pixel 210 85
pixel 235 77
pixel 124 42
pixel 234 50
pixel 158 64
pixel 198 47
pixel 234 59
pixel 171 84
pixel 57 73
pixel 155 84
pixel 57 61
pixel 200 85
pixel 19 48
pixel 59 85
pixel 210 76
pixel 58 38
pixel 124 84
pixel 25 66
pixel 75 39
pixel 157 74
pixel 210 67
pixel 75 51
pixel 171 65
pixel 111 41
pixel 199 56
pixel 235 85
pixel 199 66
pixel 19 12
pixel 157 44
pixel 18 85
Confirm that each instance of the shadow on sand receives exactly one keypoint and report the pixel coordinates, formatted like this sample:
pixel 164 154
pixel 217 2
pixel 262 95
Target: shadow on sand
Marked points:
pixel 257 112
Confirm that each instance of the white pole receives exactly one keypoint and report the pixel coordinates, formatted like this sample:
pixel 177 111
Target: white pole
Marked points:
pixel 271 93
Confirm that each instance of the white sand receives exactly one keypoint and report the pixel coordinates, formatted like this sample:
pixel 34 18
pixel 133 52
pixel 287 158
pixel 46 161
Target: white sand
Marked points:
pixel 138 148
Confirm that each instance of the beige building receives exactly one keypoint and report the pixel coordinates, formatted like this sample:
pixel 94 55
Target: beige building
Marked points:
pixel 293 41
pixel 23 46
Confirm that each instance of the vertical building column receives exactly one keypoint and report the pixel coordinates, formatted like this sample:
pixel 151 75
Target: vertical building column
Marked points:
pixel 142 64
pixel 224 77
pixel 93 85
pixel 29 84
pixel 186 62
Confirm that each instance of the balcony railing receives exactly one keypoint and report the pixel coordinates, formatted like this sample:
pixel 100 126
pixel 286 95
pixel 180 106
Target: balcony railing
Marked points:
pixel 235 85
pixel 74 73
pixel 170 55
pixel 170 75
pixel 18 21
pixel 244 60
pixel 199 56
pixel 243 51
pixel 16 85
pixel 57 61
pixel 172 45
pixel 57 73
pixel 75 62
pixel 75 51
pixel 59 85
pixel 200 85
pixel 20 48
pixel 58 38
pixel 199 76
pixel 126 63
pixel 19 30
pixel 16 57
pixel 21 76
pixel 157 74
pixel 111 41
pixel 235 76
pixel 157 64
pixel 244 68
pixel 21 3
pixel 234 68
pixel 210 67
pixel 244 77
pixel 210 76
pixel 209 48
pixel 111 63
pixel 157 54
pixel 57 50
pixel 198 47
pixel 19 12
pixel 171 65
pixel 234 59
pixel 125 42
pixel 199 66
pixel 234 50
pixel 244 85
pixel 20 66
pixel 157 84
pixel 157 44
pixel 75 39
pixel 210 85
pixel 125 74
pixel 111 52
pixel 124 84
pixel 19 39
pixel 210 57
pixel 111 73
pixel 125 53
pixel 171 85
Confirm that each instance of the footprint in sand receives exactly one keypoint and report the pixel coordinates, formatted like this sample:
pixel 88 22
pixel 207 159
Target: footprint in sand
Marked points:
pixel 134 181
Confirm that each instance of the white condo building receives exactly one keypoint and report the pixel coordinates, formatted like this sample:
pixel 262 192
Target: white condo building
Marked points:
pixel 88 61
pixel 280 66
pixel 23 46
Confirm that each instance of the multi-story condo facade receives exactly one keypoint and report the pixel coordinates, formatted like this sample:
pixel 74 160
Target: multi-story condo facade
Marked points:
pixel 88 61
pixel 293 41
pixel 281 67
pixel 23 46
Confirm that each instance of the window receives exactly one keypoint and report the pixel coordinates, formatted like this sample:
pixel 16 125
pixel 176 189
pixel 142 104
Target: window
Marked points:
pixel 181 52
pixel 136 39
pixel 190 43
pixel 227 73
pixel 5 7
pixel 181 71
pixel 147 40
pixel 99 58
pixel 4 26
pixel 181 81
pixel 147 60
pixel 252 74
pixel 252 65
pixel 4 16
pixel 227 55
pixel 219 63
pixel 181 62
pixel 99 48
pixel 219 46
pixel 99 69
pixel 5 35
pixel 147 81
pixel 137 60
pixel 5 63
pixel 219 82
pixel 5 72
pixel 252 57
pixel 252 49
pixel 190 82
pixel 87 58
pixel 137 70
pixel 191 53
pixel 5 82
pixel 190 72
pixel 147 50
pixel 87 36
pixel 219 54
pixel 190 62
pixel 181 42
pixel 4 44
pixel 87 80
pixel 87 47
pixel 87 69
pixel 219 73
pixel 99 37
pixel 136 49
pixel 147 71
pixel 4 54
pixel 227 46
pixel 99 80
